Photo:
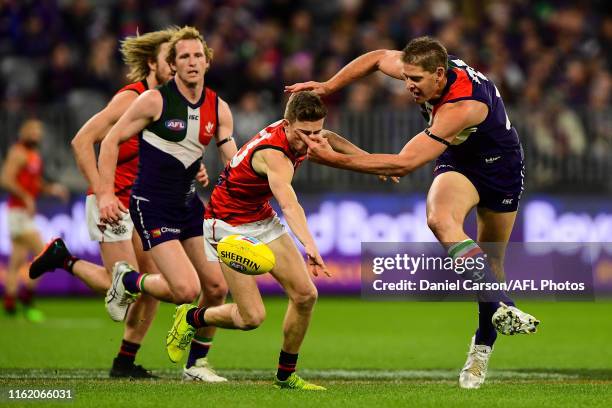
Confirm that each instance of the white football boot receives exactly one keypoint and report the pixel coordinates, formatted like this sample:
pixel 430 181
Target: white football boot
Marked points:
pixel 509 320
pixel 474 371
pixel 202 371
pixel 118 299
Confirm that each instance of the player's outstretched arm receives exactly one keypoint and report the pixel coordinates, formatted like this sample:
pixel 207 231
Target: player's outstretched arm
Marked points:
pixel 450 120
pixel 340 144
pixel 279 170
pixel 94 130
pixel 225 141
pixel 146 108
pixel 386 61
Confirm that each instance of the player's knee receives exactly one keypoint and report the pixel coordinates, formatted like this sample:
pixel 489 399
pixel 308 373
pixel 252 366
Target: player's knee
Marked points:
pixel 440 224
pixel 306 298
pixel 214 294
pixel 253 319
pixel 185 294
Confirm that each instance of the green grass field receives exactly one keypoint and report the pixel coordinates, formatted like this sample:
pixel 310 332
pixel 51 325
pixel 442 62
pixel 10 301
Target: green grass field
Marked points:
pixel 367 354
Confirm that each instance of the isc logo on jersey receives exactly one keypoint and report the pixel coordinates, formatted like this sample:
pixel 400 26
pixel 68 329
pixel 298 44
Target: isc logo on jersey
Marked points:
pixel 245 254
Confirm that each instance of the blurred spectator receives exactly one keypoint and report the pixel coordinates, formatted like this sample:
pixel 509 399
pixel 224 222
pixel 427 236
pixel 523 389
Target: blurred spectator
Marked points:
pixel 50 48
pixel 250 116
pixel 60 76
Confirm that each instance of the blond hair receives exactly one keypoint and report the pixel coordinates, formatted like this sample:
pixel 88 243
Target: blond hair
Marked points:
pixel 139 50
pixel 187 33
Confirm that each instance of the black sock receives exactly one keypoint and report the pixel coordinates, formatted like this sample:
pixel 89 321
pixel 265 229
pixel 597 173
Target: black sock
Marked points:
pixel 286 365
pixel 486 333
pixel 9 304
pixel 69 263
pixel 26 296
pixel 195 317
pixel 131 281
pixel 127 352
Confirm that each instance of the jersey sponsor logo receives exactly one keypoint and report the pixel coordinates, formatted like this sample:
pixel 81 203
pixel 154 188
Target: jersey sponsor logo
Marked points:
pixel 157 232
pixel 507 201
pixel 176 125
pixel 490 160
pixel 193 117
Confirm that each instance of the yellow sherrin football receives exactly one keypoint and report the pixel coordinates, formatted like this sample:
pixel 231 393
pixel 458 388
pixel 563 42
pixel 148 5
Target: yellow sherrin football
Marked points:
pixel 246 255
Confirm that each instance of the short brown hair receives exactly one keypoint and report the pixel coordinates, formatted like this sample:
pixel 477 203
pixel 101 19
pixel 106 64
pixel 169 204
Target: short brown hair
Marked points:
pixel 137 51
pixel 426 52
pixel 305 106
pixel 187 33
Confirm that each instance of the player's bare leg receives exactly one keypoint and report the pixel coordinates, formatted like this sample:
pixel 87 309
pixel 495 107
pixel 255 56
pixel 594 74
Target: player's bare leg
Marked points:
pixel 19 253
pixel 450 198
pixel 176 283
pixel 247 312
pixel 495 227
pixel 56 255
pixel 139 315
pixel 214 291
pixel 27 242
pixel 290 271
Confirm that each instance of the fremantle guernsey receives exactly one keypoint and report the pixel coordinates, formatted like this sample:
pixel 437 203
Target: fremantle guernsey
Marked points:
pixel 488 154
pixel 171 148
pixel 241 195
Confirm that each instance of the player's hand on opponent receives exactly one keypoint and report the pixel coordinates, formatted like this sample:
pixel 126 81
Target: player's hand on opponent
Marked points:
pixel 314 262
pixel 319 149
pixel 110 208
pixel 320 88
pixel 202 176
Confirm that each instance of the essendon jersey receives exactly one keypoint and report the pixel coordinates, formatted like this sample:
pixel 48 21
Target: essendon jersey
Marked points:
pixel 241 195
pixel 29 177
pixel 127 160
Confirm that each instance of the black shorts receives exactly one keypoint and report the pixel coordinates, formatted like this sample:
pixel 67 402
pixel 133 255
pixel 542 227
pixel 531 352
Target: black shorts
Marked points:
pixel 157 223
pixel 498 177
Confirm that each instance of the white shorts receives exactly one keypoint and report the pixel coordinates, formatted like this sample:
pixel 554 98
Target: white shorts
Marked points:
pixel 215 230
pixel 102 232
pixel 19 222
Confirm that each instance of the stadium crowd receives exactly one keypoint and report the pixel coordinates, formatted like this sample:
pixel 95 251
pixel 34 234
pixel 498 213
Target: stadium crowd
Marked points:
pixel 551 60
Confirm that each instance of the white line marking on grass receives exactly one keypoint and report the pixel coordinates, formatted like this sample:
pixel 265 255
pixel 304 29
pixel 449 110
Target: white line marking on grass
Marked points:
pixel 332 374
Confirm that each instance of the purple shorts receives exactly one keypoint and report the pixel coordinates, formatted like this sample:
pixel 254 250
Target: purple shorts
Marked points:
pixel 498 177
pixel 157 223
